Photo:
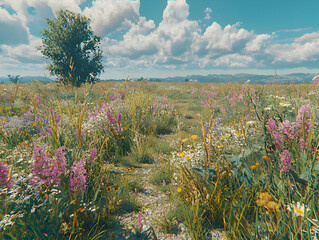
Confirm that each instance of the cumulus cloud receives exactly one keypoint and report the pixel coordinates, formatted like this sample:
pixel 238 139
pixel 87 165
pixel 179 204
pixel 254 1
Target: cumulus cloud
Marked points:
pixel 257 43
pixel 207 12
pixel 12 29
pixel 303 49
pixel 131 42
pixel 217 41
pixel 165 45
pixel 21 6
pixel 25 53
pixel 112 15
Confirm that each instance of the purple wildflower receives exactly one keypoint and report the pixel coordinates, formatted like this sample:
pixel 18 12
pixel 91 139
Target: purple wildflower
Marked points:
pixel 4 171
pixel 285 161
pixel 139 222
pixel 78 177
pixel 49 131
pixel 111 118
pixel 93 154
pixel 123 95
pixel 46 170
pixel 119 118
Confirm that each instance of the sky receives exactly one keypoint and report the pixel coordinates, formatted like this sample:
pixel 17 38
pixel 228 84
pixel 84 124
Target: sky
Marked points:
pixel 161 38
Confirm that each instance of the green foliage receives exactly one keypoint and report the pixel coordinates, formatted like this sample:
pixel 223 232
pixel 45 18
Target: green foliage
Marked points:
pixel 14 79
pixel 168 223
pixel 70 44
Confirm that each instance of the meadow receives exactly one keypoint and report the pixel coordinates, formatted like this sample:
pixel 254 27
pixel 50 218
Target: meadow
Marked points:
pixel 147 160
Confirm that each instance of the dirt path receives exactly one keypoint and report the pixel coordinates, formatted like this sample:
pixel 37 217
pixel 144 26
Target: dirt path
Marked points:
pixel 155 204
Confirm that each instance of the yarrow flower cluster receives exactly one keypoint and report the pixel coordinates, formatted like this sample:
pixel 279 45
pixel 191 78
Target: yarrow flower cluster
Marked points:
pixel 47 170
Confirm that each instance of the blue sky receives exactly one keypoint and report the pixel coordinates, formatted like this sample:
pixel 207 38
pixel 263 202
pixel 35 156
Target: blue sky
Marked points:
pixel 159 38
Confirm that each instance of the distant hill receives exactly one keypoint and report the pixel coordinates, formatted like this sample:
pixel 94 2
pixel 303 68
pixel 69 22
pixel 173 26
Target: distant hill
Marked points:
pixel 27 79
pixel 296 78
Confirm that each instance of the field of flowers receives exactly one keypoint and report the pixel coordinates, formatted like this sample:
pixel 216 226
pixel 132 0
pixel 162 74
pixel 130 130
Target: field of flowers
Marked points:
pixel 237 157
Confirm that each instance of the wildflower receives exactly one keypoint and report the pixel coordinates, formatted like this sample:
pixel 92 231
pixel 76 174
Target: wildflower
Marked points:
pixel 284 104
pixel 182 154
pixel 221 138
pixel 265 157
pixel 179 189
pixel 78 177
pixel 184 140
pixel 188 157
pixel 93 154
pixel 238 134
pixel 119 118
pixel 139 222
pixel 48 170
pixel 285 159
pixel 298 209
pixel 228 135
pixel 111 118
pixel 263 199
pixel 219 146
pixel 5 176
pixel 272 206
pixel 193 136
pixel 253 167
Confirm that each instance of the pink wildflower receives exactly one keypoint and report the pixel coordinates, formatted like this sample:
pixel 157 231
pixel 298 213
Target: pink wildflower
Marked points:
pixel 111 118
pixel 285 161
pixel 93 154
pixel 4 171
pixel 48 171
pixel 78 177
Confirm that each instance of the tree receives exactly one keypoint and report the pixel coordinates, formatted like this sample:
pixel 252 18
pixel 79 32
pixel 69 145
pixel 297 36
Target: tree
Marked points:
pixel 74 50
pixel 14 79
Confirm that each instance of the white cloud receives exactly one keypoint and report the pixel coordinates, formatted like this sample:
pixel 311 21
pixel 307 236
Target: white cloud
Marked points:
pixel 234 60
pixel 24 53
pixel 167 44
pixel 207 12
pixel 303 49
pixel 12 29
pixel 112 15
pixel 257 43
pixel 176 43
pixel 216 41
pixel 175 11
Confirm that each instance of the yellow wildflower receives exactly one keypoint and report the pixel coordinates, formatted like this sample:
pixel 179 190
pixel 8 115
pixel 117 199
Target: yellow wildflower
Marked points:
pixel 188 157
pixel 184 140
pixel 238 134
pixel 179 189
pixel 219 146
pixel 228 135
pixel 182 154
pixel 263 199
pixel 194 136
pixel 221 138
pixel 265 157
pixel 253 167
pixel 272 206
